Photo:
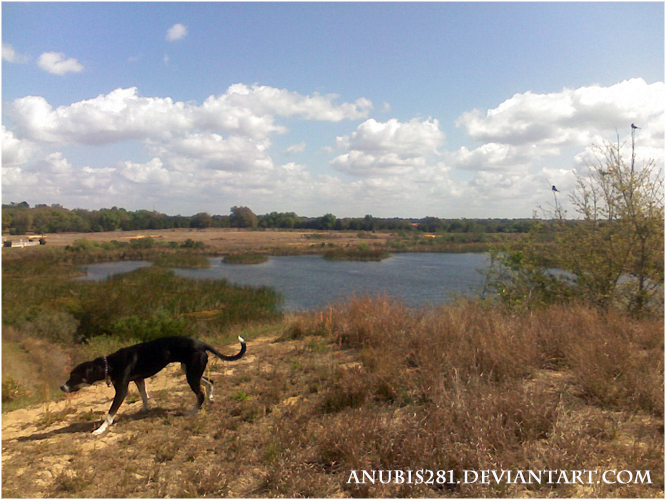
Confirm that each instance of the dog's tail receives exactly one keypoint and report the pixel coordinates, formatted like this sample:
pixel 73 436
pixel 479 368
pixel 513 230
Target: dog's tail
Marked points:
pixel 229 358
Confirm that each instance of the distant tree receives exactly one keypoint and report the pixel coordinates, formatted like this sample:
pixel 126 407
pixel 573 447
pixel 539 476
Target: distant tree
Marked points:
pixel 243 217
pixel 326 222
pixel 201 220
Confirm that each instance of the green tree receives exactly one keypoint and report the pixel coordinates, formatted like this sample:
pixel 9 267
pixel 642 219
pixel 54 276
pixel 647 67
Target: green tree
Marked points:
pixel 201 220
pixel 243 217
pixel 611 254
pixel 617 251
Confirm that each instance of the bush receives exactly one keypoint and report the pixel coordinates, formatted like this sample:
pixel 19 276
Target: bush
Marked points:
pixel 143 329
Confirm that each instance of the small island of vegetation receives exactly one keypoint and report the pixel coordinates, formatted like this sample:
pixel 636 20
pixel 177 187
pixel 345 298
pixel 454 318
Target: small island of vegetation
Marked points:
pixel 245 258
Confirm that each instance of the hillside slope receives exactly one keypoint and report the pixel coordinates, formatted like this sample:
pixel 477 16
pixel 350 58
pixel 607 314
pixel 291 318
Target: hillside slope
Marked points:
pixel 370 386
pixel 48 450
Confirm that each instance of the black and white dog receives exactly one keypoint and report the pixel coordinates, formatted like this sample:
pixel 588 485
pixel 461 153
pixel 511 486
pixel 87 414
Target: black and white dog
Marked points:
pixel 138 362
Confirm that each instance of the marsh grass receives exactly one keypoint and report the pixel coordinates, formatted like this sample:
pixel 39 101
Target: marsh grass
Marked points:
pixel 145 304
pixel 181 260
pixel 245 258
pixel 361 252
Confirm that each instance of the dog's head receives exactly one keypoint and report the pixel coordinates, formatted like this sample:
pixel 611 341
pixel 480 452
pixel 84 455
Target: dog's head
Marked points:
pixel 82 376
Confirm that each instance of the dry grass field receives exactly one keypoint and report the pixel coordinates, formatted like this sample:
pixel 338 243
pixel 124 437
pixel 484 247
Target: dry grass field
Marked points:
pixel 222 240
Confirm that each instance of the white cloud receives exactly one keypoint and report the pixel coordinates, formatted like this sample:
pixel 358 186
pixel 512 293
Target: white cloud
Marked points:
pixel 10 55
pixel 569 117
pixel 176 32
pixel 264 100
pixel 124 115
pixel 295 149
pixel 213 152
pixel 57 164
pixel 55 63
pixel 391 147
pixel 530 127
pixel 152 172
pixel 15 151
pixel 118 116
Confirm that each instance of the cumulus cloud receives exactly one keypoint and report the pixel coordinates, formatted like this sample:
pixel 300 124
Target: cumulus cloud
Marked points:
pixel 16 151
pixel 124 115
pixel 394 147
pixel 151 172
pixel 529 127
pixel 176 32
pixel 264 100
pixel 569 117
pixel 198 151
pixel 10 55
pixel 213 152
pixel 56 64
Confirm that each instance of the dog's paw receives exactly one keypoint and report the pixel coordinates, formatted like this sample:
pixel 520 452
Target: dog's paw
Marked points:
pixel 101 430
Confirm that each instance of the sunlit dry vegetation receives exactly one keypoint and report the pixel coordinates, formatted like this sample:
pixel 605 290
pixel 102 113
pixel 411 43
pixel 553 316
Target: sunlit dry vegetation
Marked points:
pixel 370 384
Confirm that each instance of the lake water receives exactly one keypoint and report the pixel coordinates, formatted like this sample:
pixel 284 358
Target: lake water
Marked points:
pixel 311 282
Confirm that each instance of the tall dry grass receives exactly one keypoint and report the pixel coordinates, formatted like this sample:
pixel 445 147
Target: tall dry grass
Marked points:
pixel 470 387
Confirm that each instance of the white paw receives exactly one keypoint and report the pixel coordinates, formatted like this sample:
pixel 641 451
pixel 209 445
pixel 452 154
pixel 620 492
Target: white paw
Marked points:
pixel 100 430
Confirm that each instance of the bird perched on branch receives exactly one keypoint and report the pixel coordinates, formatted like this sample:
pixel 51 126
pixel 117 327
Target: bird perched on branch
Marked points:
pixel 555 189
pixel 634 127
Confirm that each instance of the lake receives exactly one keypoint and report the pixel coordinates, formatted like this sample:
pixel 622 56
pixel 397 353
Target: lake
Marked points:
pixel 309 282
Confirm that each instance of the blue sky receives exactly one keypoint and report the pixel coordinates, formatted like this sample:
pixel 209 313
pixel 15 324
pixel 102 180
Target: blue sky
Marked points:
pixel 389 109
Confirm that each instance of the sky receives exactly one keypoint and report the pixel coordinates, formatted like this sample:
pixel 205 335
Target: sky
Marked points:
pixel 408 110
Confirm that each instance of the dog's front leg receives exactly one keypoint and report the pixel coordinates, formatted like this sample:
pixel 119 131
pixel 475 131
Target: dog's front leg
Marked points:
pixel 141 385
pixel 121 392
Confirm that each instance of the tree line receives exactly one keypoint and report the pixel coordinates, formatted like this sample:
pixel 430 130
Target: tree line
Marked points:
pixel 21 218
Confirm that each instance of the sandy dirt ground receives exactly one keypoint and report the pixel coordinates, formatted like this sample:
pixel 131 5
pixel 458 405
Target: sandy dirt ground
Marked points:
pixel 39 442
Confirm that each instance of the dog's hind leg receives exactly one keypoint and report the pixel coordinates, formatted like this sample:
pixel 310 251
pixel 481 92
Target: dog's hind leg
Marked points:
pixel 209 384
pixel 194 370
pixel 121 392
pixel 141 385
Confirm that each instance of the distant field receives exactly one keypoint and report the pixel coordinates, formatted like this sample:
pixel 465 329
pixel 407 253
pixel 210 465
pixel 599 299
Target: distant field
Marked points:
pixel 223 240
